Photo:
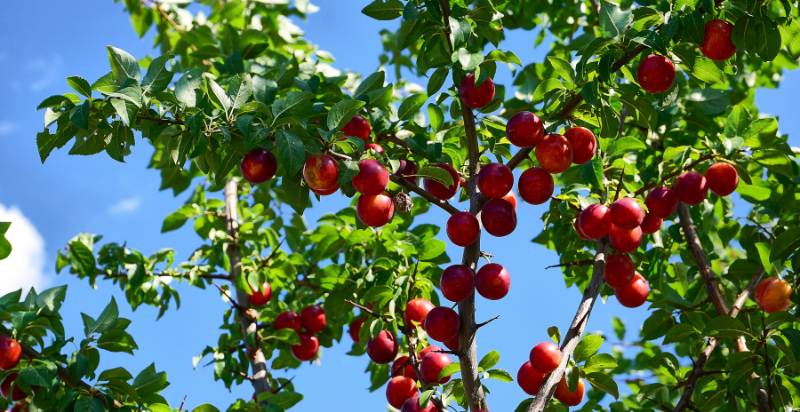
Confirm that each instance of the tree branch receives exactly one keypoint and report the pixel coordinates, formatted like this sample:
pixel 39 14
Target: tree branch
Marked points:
pixel 249 327
pixel 413 187
pixel 709 278
pixel 576 328
pixel 699 363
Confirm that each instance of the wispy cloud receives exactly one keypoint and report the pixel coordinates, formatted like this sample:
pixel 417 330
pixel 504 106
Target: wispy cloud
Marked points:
pixel 45 71
pixel 125 206
pixel 24 267
pixel 6 127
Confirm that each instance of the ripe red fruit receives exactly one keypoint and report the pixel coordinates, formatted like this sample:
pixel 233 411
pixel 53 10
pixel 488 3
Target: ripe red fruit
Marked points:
pixel 402 366
pixel 399 389
pixel 442 323
pixel 545 357
pixel 439 190
pixel 656 73
pixel 375 210
pixel 325 192
pixel 567 397
pixel 354 329
pixel 372 177
pixel 313 318
pixel 474 96
pixel 579 231
pixel 530 379
pixel 412 405
pixel 773 295
pixel 10 352
pixel 535 185
pixel 634 293
pixel 625 240
pixel 457 282
pixel 498 217
pixel 307 348
pixel 358 127
pixel 492 281
pixel 407 169
pixel 594 222
pixel 525 129
pixel 619 270
pixel 453 344
pixel 662 202
pixel 5 388
pixel 583 144
pixel 260 297
pixel 374 148
pixel 258 166
pixel 416 311
pixel 651 223
pixel 383 347
pixel 463 228
pixel 321 173
pixel 511 198
pixel 495 180
pixel 554 153
pixel 691 188
pixel 431 366
pixel 426 350
pixel 626 213
pixel 288 320
pixel 722 178
pixel 717 42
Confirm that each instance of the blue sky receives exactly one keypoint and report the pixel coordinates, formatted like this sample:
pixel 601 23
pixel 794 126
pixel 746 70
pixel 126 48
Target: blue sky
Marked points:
pixel 49 40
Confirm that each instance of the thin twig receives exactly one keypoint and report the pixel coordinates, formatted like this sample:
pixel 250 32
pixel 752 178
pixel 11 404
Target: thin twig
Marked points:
pixel 584 262
pixel 413 187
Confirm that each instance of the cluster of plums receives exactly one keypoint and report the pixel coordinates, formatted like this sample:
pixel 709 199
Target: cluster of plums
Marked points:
pixel 625 222
pixel 402 391
pixel 544 359
pixel 307 324
pixel 10 355
pixel 656 73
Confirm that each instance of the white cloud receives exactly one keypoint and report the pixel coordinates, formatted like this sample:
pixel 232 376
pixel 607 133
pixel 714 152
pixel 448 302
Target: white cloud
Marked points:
pixel 24 267
pixel 6 127
pixel 45 72
pixel 125 206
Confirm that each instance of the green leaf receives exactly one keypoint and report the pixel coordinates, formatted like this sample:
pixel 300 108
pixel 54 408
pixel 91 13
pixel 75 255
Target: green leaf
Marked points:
pixel 81 258
pixel 107 318
pixel 599 362
pixel 725 327
pixel 206 407
pixel 186 86
pixel 592 172
pixel 436 173
pixel 753 193
pixel 587 347
pixel 5 245
pixel 449 370
pixel 435 116
pixel 123 65
pixel 786 244
pixel 89 404
pixel 500 375
pixel 437 80
pixel 219 96
pixel 489 360
pixel 411 105
pixel 603 382
pixel 763 255
pixel 291 151
pixel 384 9
pixel 374 81
pixel 706 70
pixel 619 327
pixel 149 382
pixel 80 85
pixel 342 112
pixel 79 115
pixel 284 105
pixel 613 20
pixel 158 76
pixel 159 407
pixel 52 298
pixel 432 249
pixel 554 334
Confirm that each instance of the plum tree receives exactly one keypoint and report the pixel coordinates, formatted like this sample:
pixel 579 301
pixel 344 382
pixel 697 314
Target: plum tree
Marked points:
pixel 629 109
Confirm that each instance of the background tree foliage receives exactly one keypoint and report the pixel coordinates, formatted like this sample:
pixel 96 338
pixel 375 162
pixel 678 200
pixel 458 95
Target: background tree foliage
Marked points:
pixel 235 75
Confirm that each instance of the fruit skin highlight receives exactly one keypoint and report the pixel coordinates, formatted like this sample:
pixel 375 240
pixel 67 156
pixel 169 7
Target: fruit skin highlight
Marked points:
pixel 656 73
pixel 554 153
pixel 525 129
pixel 463 228
pixel 718 40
